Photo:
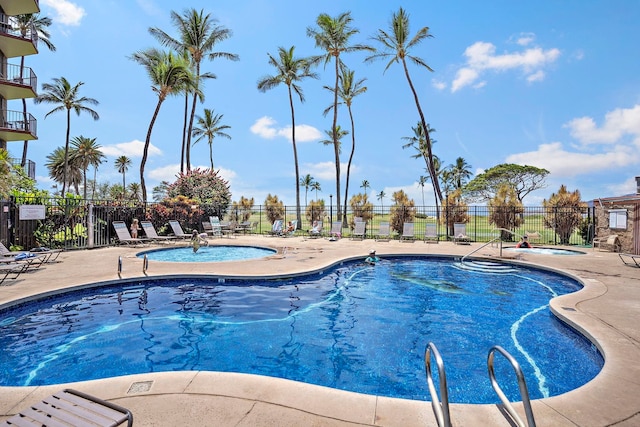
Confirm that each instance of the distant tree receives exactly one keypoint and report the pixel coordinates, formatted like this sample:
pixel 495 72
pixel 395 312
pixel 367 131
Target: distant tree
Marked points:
pixel 242 209
pixel 206 187
pixel 563 212
pixel 160 191
pixel 274 208
pixel 306 181
pixel 290 71
pixel 361 208
pixel 134 191
pixel 209 126
pixel 315 211
pixel 365 184
pixel 505 211
pixel 333 36
pixel 460 172
pixel 396 45
pixel 316 187
pixel 122 164
pixel 455 211
pixel 381 196
pixel 523 179
pixel 61 92
pixel 57 164
pixel 403 210
pixel 421 182
pixel 86 152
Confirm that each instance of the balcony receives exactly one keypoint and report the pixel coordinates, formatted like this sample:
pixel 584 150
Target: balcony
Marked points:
pixel 17 126
pixel 18 85
pixel 20 7
pixel 15 42
pixel 29 168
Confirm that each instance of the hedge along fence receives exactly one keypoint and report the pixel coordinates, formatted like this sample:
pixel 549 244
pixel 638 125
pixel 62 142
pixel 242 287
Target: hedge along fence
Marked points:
pixel 75 223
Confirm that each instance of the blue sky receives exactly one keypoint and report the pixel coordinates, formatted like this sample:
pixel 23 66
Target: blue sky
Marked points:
pixel 554 84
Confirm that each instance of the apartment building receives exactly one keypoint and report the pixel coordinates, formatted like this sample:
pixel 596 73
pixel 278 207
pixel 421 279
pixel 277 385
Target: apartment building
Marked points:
pixel 17 81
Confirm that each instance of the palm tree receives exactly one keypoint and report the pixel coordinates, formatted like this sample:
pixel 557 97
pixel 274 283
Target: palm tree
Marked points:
pixel 380 196
pixel 87 153
pixel 332 36
pixel 306 182
pixel 316 187
pixel 348 89
pixel 365 184
pixel 169 74
pixel 209 126
pixel 25 24
pixel 396 45
pixel 122 164
pixel 421 182
pixel 290 71
pixel 63 168
pixel 61 92
pixel 460 171
pixel 198 36
pixel 135 191
pixel 336 134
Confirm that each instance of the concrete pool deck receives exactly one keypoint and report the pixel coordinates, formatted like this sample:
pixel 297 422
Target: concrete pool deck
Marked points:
pixel 607 310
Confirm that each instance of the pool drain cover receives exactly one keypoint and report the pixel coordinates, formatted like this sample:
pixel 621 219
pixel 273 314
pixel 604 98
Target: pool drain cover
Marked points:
pixel 139 387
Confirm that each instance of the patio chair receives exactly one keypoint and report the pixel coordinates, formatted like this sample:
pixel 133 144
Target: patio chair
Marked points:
pixel 315 230
pixel 16 268
pixel 336 230
pixel 431 233
pixel 151 233
pixel 51 255
pixel 359 230
pixel 608 243
pixel 29 260
pixel 122 232
pixel 243 227
pixel 276 228
pixel 4 251
pixel 407 232
pixel 177 230
pixel 71 407
pixel 291 231
pixel 460 234
pixel 384 232
pixel 211 230
pixel 630 259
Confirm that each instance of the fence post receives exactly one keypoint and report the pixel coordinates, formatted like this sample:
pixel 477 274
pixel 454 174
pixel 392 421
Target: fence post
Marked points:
pixel 90 226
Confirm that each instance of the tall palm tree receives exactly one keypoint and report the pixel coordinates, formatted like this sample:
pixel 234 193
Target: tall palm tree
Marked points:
pixel 421 182
pixel 122 164
pixel 396 45
pixel 316 187
pixel 365 184
pixel 135 191
pixel 333 36
pixel 306 182
pixel 87 153
pixel 290 70
pixel 25 24
pixel 64 168
pixel 460 171
pixel 380 197
pixel 169 74
pixel 338 133
pixel 198 36
pixel 61 92
pixel 209 126
pixel 349 88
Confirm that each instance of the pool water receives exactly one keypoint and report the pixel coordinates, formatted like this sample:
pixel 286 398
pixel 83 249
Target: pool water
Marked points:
pixel 356 327
pixel 545 251
pixel 212 253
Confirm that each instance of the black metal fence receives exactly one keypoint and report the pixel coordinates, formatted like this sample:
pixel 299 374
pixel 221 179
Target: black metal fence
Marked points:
pixel 77 224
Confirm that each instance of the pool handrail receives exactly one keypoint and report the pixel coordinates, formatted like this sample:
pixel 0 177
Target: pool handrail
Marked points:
pixel 522 385
pixel 440 410
pixel 495 239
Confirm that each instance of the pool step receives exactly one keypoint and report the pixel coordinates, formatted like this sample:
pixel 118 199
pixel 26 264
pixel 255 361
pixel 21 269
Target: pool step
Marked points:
pixel 485 266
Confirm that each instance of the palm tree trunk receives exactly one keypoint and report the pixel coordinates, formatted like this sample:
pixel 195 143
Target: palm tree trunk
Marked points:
pixel 336 147
pixel 145 152
pixel 211 154
pixel 432 174
pixel 66 154
pixel 188 152
pixel 184 131
pixel 25 145
pixel 295 160
pixel 353 149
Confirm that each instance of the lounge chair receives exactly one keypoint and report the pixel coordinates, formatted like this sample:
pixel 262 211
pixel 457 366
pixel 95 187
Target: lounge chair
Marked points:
pixel 125 237
pixel 608 243
pixel 29 259
pixel 16 268
pixel 460 234
pixel 243 227
pixel 72 408
pixel 336 230
pixel 151 233
pixel 359 230
pixel 177 230
pixel 630 259
pixel 316 230
pixel 292 232
pixel 431 233
pixel 51 255
pixel 384 232
pixel 407 232
pixel 6 252
pixel 276 228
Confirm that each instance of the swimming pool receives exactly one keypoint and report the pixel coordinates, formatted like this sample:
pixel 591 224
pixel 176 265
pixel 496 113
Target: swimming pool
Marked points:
pixel 211 253
pixel 545 251
pixel 354 327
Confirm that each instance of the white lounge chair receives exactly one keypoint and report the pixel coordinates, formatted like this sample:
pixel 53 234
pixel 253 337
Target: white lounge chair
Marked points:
pixel 178 231
pixel 316 230
pixel 359 230
pixel 151 233
pixel 125 237
pixel 336 230
pixel 460 234
pixel 276 228
pixel 431 233
pixel 292 232
pixel 407 232
pixel 384 232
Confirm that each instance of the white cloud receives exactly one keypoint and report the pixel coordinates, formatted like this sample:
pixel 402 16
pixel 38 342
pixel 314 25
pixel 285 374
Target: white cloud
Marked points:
pixel 617 124
pixel 265 127
pixel 129 149
pixel 525 39
pixel 438 84
pixel 560 162
pixel 323 170
pixel 67 13
pixel 482 57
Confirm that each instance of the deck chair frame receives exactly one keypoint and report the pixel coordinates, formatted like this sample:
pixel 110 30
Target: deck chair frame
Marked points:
pixel 431 233
pixel 630 259
pixel 151 233
pixel 384 232
pixel 359 230
pixel 177 230
pixel 460 234
pixel 124 237
pixel 408 232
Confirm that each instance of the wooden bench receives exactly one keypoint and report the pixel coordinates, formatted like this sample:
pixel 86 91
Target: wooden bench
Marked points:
pixel 72 408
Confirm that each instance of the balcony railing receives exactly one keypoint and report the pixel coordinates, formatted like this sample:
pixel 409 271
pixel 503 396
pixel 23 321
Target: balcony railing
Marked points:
pixel 29 167
pixel 17 126
pixel 19 41
pixel 18 84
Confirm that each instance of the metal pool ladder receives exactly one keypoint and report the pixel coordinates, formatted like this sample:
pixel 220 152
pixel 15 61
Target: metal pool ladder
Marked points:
pixel 441 409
